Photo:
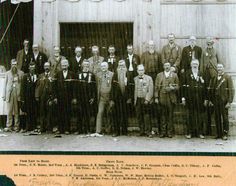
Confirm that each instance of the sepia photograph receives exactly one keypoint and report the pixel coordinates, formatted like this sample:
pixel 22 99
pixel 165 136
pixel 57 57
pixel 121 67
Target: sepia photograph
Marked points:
pixel 118 75
pixel 117 92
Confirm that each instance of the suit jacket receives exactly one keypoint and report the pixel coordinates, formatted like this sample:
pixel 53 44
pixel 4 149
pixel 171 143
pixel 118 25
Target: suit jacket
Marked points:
pixel 55 65
pixel 23 60
pixel 28 91
pixel 45 87
pixel 39 62
pixel 223 88
pixel 172 55
pixel 75 66
pixel 85 88
pixel 95 64
pixel 9 84
pixel 209 63
pixel 187 57
pixel 173 79
pixel 147 88
pixel 112 66
pixel 135 62
pixel 64 88
pixel 194 90
pixel 156 66
pixel 110 80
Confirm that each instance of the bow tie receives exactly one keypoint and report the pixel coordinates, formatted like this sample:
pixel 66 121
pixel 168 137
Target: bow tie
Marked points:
pixel 140 77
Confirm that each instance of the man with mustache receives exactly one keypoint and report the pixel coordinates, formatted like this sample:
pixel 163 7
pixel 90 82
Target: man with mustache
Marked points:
pixel 166 85
pixel 171 53
pixel 221 95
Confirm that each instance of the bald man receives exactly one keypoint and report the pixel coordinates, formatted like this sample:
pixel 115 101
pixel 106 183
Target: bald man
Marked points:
pixel 65 96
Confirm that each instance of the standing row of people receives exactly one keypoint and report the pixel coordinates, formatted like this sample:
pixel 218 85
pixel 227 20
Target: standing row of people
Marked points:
pixel 107 85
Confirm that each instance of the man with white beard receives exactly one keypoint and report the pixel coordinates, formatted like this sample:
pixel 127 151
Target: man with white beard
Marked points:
pixel 12 96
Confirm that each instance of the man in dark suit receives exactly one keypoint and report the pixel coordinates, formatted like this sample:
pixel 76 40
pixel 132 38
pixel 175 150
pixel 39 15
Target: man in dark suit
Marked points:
pixel 39 58
pixel 112 59
pixel 151 61
pixel 45 95
pixel 76 61
pixel 166 85
pixel 29 105
pixel 120 96
pixel 194 96
pixel 65 96
pixel 132 61
pixel 85 94
pixel 221 95
pixel 190 52
pixel 23 57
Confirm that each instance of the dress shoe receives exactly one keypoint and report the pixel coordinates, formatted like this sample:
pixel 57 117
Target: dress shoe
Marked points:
pixel 188 136
pixel 150 136
pixel 7 129
pixel 217 137
pixel 201 136
pixel 170 136
pixel 76 133
pixel 142 134
pixel 115 135
pixel 224 137
pixel 22 131
pixel 162 135
pixel 16 129
pixel 67 133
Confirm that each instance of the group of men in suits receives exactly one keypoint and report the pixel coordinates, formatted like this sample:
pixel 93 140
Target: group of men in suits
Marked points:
pixel 96 86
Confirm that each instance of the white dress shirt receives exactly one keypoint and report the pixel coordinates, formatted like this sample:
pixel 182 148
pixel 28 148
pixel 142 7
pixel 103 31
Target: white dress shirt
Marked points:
pixel 131 68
